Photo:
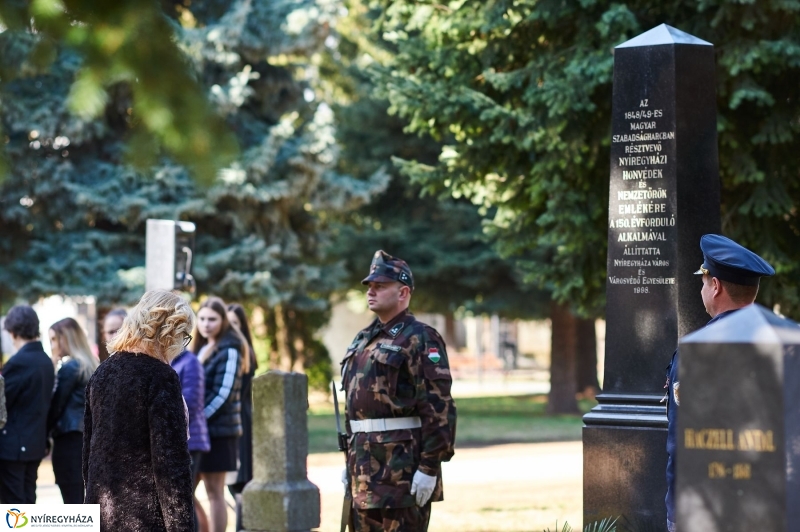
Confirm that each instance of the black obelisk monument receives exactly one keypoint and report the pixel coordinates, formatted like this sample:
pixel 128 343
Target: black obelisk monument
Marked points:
pixel 664 195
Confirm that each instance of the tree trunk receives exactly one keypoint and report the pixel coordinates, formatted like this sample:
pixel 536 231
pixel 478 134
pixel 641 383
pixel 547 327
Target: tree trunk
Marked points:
pixel 587 359
pixel 562 361
pixel 449 333
pixel 270 334
pixel 298 345
pixel 282 345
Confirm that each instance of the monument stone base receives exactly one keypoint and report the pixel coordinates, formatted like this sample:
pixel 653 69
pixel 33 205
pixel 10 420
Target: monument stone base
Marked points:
pixel 281 507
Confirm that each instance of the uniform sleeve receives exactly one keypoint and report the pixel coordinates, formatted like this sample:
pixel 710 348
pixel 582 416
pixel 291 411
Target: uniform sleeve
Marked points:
pixel 435 405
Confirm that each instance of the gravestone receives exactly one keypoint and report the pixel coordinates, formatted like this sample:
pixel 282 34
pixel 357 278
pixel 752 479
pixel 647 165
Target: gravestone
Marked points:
pixel 664 195
pixel 738 456
pixel 280 497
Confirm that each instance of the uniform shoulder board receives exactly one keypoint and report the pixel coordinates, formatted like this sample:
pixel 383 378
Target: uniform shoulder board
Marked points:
pixel 395 330
pixel 389 347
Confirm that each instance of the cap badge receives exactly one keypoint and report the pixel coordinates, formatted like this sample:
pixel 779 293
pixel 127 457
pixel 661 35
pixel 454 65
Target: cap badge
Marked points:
pixel 433 355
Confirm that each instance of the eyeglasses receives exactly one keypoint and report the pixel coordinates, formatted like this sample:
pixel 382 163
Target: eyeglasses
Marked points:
pixel 187 341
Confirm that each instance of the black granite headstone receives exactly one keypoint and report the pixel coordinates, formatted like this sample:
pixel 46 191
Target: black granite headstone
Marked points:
pixel 738 457
pixel 664 195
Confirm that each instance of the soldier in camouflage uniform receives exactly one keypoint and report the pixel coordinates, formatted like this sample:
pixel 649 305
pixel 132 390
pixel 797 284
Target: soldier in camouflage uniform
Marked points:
pixel 401 417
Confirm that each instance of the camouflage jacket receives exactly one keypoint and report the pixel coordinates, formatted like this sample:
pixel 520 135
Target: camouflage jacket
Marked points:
pixel 397 369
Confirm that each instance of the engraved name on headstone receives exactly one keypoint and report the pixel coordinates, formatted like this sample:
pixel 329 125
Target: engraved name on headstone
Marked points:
pixel 738 454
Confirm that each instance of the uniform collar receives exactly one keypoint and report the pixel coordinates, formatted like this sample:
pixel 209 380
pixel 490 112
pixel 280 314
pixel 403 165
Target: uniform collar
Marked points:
pixel 394 325
pixel 721 315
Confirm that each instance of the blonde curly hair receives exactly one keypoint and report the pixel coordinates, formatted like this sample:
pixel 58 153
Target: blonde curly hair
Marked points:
pixel 157 326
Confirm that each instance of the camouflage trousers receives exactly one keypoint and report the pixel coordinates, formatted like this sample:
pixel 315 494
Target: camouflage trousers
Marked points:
pixel 413 519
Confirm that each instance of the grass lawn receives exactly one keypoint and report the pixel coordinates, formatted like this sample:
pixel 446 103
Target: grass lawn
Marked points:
pixel 481 421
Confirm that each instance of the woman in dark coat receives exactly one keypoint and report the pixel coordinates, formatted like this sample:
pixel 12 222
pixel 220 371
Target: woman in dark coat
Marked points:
pixel 71 353
pixel 135 453
pixel 238 319
pixel 221 349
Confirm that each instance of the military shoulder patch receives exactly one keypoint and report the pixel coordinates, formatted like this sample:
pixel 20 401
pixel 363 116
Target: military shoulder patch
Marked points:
pixel 433 355
pixel 676 388
pixel 395 330
pixel 389 347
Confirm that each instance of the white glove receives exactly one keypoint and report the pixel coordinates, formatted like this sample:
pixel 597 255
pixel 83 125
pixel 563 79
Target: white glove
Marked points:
pixel 422 486
pixel 345 480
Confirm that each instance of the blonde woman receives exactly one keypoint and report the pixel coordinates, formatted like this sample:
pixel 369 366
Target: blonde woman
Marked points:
pixel 135 454
pixel 73 357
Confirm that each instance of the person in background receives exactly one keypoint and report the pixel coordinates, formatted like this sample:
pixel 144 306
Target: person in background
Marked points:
pixel 111 325
pixel 193 386
pixel 29 379
pixel 113 322
pixel 136 463
pixel 238 318
pixel 73 357
pixel 223 352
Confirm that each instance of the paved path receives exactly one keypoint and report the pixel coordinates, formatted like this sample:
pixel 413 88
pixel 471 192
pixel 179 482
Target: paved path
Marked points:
pixel 516 487
pixel 509 488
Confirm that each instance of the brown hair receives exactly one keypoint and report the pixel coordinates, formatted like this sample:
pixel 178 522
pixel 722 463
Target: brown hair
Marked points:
pixel 739 293
pixel 238 309
pixel 74 344
pixel 218 306
pixel 156 326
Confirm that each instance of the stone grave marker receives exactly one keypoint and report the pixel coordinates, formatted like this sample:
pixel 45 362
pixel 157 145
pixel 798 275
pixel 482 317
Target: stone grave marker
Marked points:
pixel 280 498
pixel 738 457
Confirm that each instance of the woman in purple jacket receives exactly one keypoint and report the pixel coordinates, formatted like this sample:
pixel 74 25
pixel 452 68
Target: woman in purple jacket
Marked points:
pixel 193 386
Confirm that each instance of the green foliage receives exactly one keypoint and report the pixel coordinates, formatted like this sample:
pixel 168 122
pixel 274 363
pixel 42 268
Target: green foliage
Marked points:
pixel 123 43
pixel 518 94
pixel 75 210
pixel 605 525
pixel 454 263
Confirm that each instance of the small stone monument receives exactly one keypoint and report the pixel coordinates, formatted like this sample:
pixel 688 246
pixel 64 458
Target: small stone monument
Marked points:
pixel 738 457
pixel 280 497
pixel 663 196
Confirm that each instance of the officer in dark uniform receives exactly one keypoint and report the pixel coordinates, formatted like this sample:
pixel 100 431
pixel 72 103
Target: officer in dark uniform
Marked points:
pixel 401 416
pixel 731 274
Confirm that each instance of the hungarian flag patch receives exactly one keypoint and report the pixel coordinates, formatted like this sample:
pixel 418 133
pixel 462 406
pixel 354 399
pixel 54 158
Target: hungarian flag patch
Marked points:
pixel 433 355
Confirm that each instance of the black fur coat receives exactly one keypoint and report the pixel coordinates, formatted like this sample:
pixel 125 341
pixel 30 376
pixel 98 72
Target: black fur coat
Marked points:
pixel 135 455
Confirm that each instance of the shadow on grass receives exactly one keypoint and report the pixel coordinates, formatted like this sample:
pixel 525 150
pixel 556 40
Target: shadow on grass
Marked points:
pixel 482 422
